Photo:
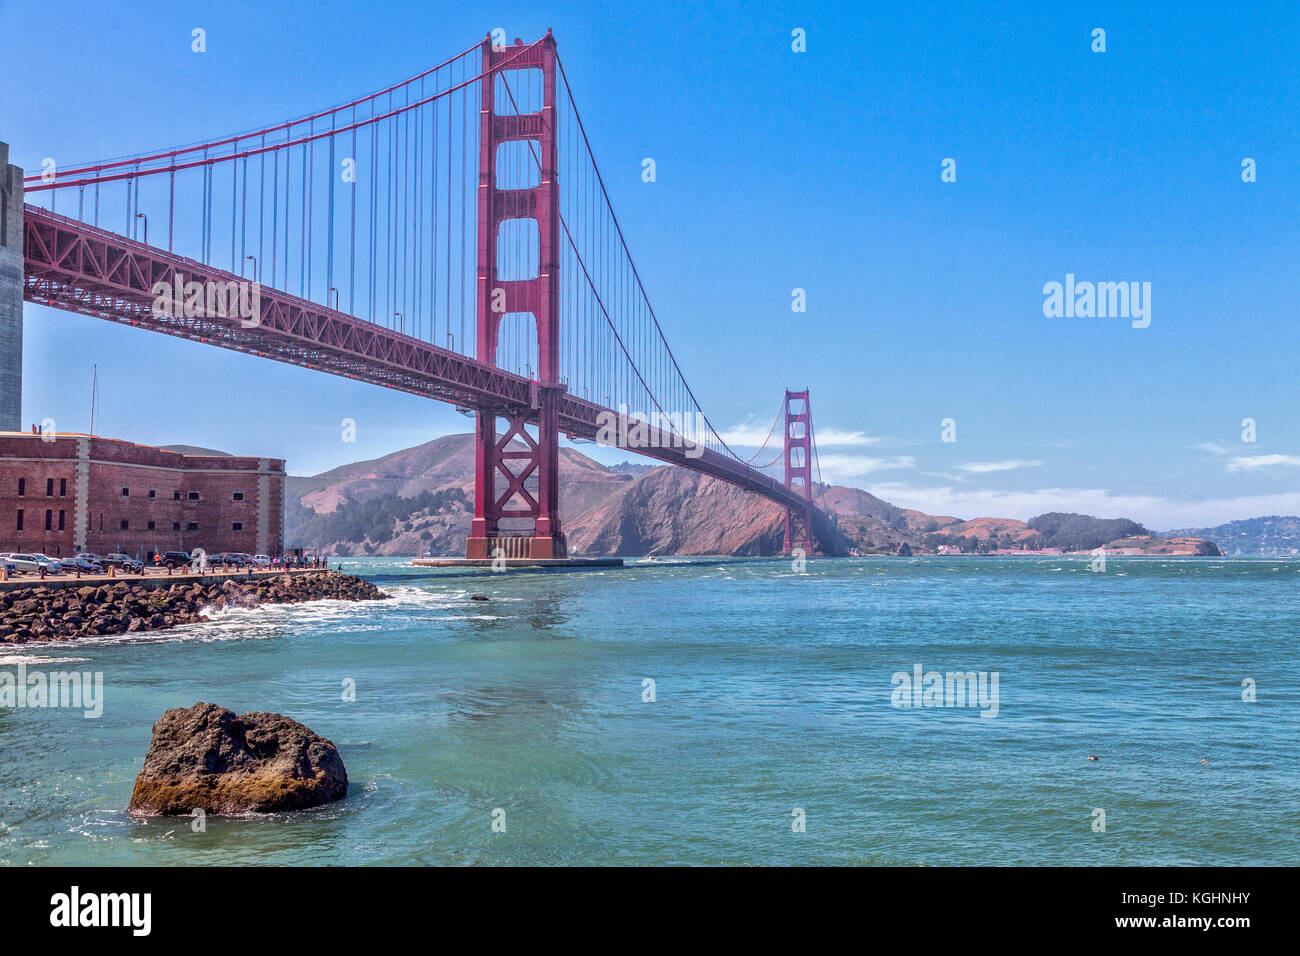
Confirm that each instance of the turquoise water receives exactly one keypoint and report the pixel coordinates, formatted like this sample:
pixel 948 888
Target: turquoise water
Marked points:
pixel 773 692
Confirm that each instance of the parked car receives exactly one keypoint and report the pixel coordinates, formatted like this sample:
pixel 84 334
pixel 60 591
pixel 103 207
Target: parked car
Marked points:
pixel 83 564
pixel 24 561
pixel 262 560
pixel 123 561
pixel 176 559
pixel 93 558
pixel 8 565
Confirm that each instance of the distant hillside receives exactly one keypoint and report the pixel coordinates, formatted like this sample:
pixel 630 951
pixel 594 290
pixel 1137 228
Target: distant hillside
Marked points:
pixel 1272 536
pixel 1054 530
pixel 1074 532
pixel 631 468
pixel 416 501
pixel 420 500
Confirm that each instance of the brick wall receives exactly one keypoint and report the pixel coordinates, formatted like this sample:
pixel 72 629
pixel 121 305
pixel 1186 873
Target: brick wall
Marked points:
pixel 107 494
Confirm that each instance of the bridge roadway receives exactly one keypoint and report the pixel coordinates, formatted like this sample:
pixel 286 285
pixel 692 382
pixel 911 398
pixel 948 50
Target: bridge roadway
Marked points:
pixel 74 266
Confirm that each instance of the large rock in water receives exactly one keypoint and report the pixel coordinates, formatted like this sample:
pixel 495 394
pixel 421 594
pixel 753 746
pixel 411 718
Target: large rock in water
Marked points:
pixel 209 758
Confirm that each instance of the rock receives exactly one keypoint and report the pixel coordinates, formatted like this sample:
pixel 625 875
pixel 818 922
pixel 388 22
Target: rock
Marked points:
pixel 206 757
pixel 129 608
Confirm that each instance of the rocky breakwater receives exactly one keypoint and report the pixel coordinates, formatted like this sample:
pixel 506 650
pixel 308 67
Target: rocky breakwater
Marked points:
pixel 65 614
pixel 208 758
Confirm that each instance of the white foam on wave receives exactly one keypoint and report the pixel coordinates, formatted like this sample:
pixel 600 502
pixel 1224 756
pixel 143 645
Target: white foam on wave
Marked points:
pixel 9 660
pixel 271 620
pixel 234 623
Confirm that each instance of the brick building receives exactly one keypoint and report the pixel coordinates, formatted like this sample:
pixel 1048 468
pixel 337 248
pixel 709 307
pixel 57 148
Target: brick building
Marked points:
pixel 64 494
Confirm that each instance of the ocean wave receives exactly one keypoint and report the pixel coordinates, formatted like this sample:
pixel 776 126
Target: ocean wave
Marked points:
pixel 10 660
pixel 261 621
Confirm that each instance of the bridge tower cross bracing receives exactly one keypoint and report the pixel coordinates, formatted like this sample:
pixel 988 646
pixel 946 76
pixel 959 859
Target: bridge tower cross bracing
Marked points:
pixel 502 467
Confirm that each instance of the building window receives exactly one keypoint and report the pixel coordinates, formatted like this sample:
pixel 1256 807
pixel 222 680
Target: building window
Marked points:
pixel 153 492
pixel 236 526
pixel 126 525
pixel 49 487
pixel 149 527
pixel 20 519
pixel 126 492
pixel 49 520
pixel 62 515
pixel 63 487
pixel 192 526
pixel 176 496
pixel 22 487
pixel 193 496
pixel 237 496
pixel 176 526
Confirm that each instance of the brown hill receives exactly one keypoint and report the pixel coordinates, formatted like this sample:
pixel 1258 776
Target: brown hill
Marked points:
pixel 1008 532
pixel 1151 544
pixel 420 500
pixel 443 467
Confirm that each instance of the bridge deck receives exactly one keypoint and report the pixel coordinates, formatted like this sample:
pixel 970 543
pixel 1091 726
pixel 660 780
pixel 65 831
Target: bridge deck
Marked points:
pixel 74 266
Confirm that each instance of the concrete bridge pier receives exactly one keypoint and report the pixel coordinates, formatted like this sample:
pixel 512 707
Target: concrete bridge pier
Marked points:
pixel 11 293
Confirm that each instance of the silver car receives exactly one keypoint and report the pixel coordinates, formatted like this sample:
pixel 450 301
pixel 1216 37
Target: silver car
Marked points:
pixel 24 561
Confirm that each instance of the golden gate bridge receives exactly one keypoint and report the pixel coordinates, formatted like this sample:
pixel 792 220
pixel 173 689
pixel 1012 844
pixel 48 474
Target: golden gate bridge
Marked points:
pixel 450 236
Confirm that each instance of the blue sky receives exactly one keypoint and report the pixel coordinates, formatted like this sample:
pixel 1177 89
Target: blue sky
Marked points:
pixel 779 170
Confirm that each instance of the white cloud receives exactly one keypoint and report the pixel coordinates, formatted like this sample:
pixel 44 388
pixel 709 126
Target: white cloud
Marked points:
pixel 752 434
pixel 1153 511
pixel 843 469
pixel 984 467
pixel 1250 463
pixel 832 437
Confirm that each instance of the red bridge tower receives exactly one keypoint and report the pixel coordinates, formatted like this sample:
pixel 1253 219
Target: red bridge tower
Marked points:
pixel 511 498
pixel 798 470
